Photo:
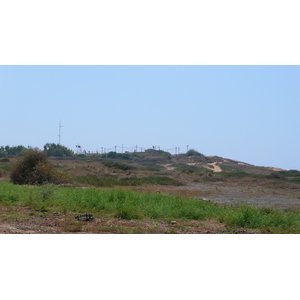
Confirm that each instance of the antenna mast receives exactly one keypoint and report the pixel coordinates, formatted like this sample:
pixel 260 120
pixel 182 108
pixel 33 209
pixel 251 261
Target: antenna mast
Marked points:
pixel 59 132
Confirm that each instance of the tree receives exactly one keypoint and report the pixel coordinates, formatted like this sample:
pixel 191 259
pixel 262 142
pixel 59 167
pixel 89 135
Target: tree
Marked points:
pixel 16 150
pixel 2 153
pixel 57 150
pixel 112 154
pixel 32 168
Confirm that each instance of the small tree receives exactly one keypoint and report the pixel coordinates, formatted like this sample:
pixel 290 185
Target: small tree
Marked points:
pixel 32 168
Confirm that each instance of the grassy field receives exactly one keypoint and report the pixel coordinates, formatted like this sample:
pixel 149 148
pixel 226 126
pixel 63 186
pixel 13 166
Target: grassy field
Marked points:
pixel 126 204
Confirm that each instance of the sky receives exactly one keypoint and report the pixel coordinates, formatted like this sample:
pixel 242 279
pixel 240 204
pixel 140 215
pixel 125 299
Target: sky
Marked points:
pixel 246 113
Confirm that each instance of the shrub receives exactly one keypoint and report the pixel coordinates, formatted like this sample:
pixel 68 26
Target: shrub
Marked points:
pixel 118 165
pixel 275 175
pixel 32 168
pixel 166 154
pixel 112 154
pixel 193 152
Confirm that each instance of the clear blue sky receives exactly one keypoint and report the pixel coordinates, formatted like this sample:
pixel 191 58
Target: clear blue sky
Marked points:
pixel 246 113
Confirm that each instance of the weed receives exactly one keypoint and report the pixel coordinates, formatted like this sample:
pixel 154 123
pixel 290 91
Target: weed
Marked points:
pixel 47 190
pixel 128 213
pixel 246 216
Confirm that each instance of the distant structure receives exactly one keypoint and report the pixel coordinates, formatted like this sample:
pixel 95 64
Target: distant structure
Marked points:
pixel 79 149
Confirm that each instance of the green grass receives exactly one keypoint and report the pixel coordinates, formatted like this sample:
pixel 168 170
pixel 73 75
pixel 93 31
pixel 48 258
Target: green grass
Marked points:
pixel 129 204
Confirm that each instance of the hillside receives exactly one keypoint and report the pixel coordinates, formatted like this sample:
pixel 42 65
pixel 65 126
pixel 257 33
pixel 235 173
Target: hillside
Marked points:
pixel 154 175
pixel 215 178
pixel 145 164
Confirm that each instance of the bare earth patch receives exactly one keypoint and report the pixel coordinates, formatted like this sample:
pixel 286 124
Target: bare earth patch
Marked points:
pixel 215 167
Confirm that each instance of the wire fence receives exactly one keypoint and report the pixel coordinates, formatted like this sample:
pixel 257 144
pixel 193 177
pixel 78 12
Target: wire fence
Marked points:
pixel 132 149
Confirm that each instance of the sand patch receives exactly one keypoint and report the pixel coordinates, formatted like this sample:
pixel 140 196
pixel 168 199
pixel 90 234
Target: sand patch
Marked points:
pixel 276 169
pixel 215 167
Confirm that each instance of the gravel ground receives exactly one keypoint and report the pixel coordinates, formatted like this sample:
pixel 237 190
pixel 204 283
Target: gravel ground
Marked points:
pixel 271 193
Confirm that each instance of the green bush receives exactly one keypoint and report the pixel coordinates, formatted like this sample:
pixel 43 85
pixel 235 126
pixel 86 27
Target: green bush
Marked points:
pixel 32 168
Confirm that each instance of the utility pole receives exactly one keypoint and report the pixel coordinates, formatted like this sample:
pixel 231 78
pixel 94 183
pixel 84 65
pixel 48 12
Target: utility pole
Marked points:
pixel 59 132
pixel 122 148
pixel 187 148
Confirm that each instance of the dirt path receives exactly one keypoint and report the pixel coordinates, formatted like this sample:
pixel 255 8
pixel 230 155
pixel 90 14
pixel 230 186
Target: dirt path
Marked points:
pixel 215 167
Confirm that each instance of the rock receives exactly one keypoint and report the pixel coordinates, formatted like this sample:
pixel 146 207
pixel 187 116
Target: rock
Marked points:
pixel 86 217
